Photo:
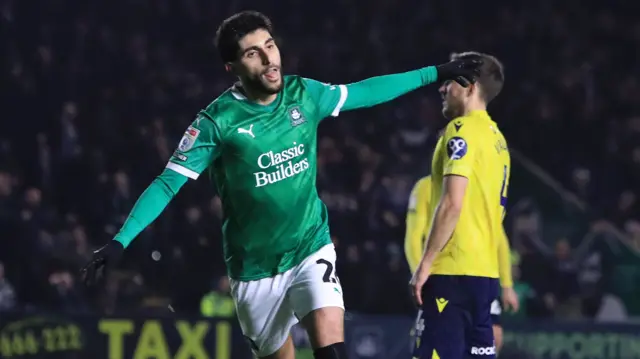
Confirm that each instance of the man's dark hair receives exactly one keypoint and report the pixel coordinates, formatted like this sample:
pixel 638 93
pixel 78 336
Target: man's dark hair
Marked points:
pixel 235 28
pixel 491 77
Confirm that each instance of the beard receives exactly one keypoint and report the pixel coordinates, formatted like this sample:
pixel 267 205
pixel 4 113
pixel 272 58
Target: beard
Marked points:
pixel 260 85
pixel 452 109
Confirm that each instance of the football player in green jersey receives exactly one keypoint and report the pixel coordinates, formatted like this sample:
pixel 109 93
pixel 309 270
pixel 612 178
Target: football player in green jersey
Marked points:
pixel 257 141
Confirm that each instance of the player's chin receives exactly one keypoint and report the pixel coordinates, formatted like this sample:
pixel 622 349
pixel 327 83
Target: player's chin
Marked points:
pixel 273 87
pixel 450 112
pixel 447 113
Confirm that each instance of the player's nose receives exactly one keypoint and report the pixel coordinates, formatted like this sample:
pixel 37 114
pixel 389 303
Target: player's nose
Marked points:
pixel 443 89
pixel 265 58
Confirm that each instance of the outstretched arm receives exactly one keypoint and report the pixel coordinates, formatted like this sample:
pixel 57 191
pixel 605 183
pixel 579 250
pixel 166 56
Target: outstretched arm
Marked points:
pixel 150 204
pixel 197 149
pixel 380 89
pixel 331 99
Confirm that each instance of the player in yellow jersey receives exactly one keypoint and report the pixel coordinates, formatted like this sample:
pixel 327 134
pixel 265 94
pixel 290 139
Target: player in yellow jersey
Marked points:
pixel 470 175
pixel 417 229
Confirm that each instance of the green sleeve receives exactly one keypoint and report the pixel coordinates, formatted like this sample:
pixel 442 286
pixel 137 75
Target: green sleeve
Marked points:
pixel 199 147
pixel 331 99
pixel 150 204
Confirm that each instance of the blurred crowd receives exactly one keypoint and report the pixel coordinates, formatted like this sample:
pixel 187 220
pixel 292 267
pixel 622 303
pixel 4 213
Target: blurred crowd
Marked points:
pixel 95 96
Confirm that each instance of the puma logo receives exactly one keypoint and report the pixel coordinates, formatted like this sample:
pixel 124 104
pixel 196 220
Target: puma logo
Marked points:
pixel 248 132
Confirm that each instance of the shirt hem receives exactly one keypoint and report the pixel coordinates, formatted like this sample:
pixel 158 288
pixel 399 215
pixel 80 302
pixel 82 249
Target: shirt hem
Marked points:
pixel 315 248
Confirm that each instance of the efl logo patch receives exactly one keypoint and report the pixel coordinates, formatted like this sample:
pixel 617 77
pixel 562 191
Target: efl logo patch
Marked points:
pixel 456 148
pixel 297 118
pixel 189 138
pixel 180 157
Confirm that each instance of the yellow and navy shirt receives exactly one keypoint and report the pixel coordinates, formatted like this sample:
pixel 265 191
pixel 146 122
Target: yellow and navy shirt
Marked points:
pixel 418 222
pixel 473 147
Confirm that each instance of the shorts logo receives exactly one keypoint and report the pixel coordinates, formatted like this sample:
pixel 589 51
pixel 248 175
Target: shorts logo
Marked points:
pixel 441 303
pixel 189 138
pixel 483 351
pixel 495 307
pixel 418 329
pixel 456 148
pixel 297 118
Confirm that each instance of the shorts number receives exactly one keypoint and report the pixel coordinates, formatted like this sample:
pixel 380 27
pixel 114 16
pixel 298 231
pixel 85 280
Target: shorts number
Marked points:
pixel 503 190
pixel 329 276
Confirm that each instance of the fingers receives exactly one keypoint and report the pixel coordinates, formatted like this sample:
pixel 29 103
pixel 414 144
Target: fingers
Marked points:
pixel 417 294
pixel 471 63
pixel 91 273
pixel 515 305
pixel 462 81
pixel 506 305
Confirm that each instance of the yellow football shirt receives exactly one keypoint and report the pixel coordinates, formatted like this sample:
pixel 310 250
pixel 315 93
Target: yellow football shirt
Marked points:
pixel 473 147
pixel 418 222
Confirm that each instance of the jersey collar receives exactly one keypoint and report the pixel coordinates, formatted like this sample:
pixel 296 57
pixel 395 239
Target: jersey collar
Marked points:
pixel 238 95
pixel 481 114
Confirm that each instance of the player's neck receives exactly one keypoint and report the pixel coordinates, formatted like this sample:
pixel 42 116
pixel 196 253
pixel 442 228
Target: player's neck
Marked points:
pixel 258 97
pixel 474 106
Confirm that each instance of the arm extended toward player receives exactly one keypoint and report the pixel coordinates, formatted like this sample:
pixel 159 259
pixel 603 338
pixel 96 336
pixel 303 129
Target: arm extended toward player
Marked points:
pixel 380 89
pixel 150 204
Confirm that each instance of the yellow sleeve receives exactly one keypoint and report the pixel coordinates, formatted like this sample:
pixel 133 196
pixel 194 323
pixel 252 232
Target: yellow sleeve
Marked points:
pixel 417 219
pixel 504 260
pixel 459 143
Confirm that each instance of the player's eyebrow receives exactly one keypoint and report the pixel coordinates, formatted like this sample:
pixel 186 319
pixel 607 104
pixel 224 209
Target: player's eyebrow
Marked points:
pixel 256 47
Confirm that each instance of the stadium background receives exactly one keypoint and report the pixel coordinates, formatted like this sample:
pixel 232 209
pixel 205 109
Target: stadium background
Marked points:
pixel 95 96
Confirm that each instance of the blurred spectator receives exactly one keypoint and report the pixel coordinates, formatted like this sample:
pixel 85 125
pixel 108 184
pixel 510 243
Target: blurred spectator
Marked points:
pixel 7 294
pixel 525 292
pixel 94 105
pixel 562 295
pixel 64 294
pixel 218 302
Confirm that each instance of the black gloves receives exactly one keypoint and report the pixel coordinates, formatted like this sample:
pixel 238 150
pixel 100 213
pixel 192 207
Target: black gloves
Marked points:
pixel 462 71
pixel 104 259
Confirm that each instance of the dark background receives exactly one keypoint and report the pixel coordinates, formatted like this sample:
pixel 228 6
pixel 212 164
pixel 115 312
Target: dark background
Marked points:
pixel 95 96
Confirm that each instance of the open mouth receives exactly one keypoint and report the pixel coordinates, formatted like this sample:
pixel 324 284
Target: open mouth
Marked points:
pixel 272 74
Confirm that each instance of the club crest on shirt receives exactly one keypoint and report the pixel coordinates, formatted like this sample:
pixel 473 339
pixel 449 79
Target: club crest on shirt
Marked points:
pixel 296 116
pixel 456 148
pixel 189 138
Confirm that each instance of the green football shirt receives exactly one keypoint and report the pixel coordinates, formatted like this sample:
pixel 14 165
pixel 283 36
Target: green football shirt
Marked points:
pixel 262 159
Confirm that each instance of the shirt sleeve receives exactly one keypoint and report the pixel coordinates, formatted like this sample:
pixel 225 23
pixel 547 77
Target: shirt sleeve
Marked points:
pixel 417 223
pixel 328 98
pixel 150 204
pixel 461 149
pixel 198 148
pixel 331 99
pixel 504 260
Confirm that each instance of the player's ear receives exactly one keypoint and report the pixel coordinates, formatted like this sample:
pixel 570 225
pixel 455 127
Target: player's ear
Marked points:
pixel 472 89
pixel 228 67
